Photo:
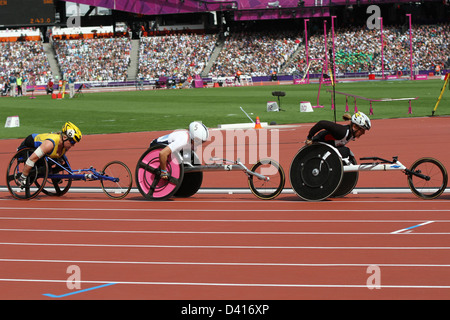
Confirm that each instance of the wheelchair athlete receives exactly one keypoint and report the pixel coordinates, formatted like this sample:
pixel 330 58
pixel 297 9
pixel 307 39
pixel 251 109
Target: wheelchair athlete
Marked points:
pixel 339 135
pixel 54 145
pixel 180 141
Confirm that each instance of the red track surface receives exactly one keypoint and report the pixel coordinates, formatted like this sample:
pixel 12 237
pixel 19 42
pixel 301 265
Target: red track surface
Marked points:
pixel 234 246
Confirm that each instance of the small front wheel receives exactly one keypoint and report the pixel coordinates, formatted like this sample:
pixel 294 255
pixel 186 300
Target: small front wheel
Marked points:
pixel 117 180
pixel 427 178
pixel 267 188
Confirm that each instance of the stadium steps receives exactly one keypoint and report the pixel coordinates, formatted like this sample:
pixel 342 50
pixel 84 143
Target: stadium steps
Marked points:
pixel 301 48
pixel 213 58
pixel 134 60
pixel 54 66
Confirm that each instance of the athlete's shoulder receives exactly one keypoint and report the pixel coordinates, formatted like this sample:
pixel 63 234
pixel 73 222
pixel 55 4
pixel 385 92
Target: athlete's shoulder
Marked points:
pixel 179 135
pixel 45 136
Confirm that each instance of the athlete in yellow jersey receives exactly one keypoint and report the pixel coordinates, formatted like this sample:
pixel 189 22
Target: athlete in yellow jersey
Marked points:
pixel 53 145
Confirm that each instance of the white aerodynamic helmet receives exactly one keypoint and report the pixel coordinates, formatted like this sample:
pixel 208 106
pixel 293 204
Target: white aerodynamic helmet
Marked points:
pixel 361 120
pixel 198 132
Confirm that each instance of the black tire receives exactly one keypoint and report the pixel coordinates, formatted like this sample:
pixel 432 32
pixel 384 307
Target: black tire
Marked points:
pixel 270 189
pixel 427 188
pixel 36 179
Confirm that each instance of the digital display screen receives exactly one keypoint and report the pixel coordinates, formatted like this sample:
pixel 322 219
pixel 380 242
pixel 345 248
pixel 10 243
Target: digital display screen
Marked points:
pixel 27 12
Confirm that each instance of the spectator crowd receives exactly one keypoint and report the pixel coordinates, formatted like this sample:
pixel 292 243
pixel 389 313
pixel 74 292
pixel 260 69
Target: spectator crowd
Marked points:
pixel 255 54
pixel 94 59
pixel 26 58
pixel 359 49
pixel 175 56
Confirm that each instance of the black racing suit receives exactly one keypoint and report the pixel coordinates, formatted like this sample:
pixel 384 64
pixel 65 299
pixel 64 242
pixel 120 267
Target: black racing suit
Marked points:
pixel 335 134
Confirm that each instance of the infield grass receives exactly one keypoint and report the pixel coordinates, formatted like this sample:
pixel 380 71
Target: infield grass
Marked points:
pixel 150 110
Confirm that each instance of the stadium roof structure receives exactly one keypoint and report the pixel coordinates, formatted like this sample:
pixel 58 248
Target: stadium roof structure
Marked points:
pixel 243 9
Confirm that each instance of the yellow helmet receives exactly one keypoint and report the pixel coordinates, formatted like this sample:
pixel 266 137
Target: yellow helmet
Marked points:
pixel 72 131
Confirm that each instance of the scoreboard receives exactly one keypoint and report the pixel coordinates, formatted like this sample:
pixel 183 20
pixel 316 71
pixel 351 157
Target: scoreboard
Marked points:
pixel 27 12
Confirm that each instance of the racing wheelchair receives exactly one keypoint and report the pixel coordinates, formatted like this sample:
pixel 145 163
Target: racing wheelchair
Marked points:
pixel 54 177
pixel 318 172
pixel 266 178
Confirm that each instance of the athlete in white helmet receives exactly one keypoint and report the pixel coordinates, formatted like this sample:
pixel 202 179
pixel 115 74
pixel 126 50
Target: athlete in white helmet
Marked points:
pixel 178 141
pixel 339 135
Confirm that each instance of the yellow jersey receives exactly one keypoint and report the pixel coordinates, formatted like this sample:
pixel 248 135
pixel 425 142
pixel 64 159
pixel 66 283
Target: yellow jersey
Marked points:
pixel 55 138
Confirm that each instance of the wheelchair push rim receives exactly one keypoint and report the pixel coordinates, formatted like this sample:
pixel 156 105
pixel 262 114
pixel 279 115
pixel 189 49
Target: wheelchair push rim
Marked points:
pixel 36 179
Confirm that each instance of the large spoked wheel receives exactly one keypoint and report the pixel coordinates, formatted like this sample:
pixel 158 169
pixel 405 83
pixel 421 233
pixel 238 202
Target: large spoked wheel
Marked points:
pixel 430 179
pixel 36 178
pixel 148 175
pixel 118 180
pixel 271 187
pixel 349 181
pixel 57 187
pixel 316 172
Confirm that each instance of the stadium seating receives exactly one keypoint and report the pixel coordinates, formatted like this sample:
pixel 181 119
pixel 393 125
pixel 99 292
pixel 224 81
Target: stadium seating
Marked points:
pixel 178 56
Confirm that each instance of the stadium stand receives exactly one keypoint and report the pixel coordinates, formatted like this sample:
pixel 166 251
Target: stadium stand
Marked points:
pixel 22 52
pixel 176 56
pixel 105 56
pixel 359 50
pixel 104 59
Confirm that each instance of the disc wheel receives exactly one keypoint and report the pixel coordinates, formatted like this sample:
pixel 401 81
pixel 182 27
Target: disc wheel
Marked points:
pixel 57 187
pixel 349 181
pixel 192 181
pixel 36 178
pixel 433 181
pixel 270 188
pixel 121 185
pixel 148 175
pixel 316 172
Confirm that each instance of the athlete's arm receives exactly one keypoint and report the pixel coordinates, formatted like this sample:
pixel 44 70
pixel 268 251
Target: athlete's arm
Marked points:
pixel 180 140
pixel 163 155
pixel 45 148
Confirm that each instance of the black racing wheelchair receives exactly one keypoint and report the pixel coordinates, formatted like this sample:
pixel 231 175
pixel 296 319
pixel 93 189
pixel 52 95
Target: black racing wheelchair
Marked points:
pixel 318 172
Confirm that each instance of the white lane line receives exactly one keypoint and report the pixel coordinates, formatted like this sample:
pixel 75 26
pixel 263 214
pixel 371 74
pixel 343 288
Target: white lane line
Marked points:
pixel 233 284
pixel 177 210
pixel 213 246
pixel 269 264
pixel 213 232
pixel 413 227
pixel 213 220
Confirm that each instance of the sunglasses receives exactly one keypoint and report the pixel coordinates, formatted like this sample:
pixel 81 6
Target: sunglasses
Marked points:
pixel 72 142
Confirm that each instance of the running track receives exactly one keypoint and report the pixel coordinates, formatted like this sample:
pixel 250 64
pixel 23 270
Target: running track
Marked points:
pixel 234 246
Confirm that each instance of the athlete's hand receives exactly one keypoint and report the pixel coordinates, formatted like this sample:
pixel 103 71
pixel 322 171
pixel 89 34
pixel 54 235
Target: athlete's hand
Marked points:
pixel 164 175
pixel 308 142
pixel 22 181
